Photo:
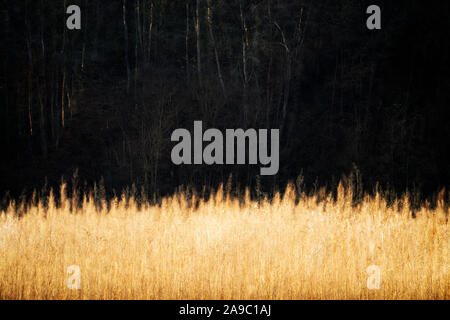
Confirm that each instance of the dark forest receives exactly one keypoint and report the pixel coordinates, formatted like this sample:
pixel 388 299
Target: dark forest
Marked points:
pixel 101 102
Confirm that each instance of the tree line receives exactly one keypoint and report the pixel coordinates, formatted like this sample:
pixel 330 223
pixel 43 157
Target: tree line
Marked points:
pixel 105 99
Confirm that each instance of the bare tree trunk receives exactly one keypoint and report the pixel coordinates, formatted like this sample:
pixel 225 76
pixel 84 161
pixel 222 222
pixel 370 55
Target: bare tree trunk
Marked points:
pixel 136 47
pixel 42 125
pixel 197 30
pixel 69 97
pixel 287 89
pixel 291 56
pixel 213 41
pixel 63 85
pixel 244 59
pixel 269 86
pixel 52 107
pixel 30 75
pixel 83 51
pixel 6 127
pixel 125 28
pixel 150 32
pixel 188 77
pixel 63 90
pixel 139 25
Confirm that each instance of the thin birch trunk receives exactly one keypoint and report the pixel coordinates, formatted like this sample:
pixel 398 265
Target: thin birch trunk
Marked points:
pixel 244 59
pixel 213 41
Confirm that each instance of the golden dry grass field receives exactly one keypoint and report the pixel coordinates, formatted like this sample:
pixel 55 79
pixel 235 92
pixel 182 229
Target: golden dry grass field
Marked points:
pixel 226 249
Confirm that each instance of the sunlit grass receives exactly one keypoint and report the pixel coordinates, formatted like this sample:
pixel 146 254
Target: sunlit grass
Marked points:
pixel 224 248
